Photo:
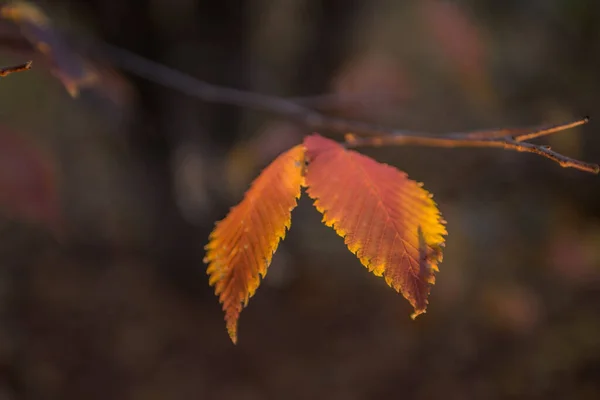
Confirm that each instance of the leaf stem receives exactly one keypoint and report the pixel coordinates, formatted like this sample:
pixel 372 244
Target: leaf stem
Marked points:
pixel 4 71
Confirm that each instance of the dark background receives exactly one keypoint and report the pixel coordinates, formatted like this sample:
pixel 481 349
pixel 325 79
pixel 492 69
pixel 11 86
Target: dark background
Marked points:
pixel 108 199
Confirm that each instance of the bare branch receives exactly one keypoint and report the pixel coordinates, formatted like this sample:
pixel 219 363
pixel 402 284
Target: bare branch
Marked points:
pixel 17 68
pixel 523 134
pixel 370 135
pixel 511 139
pixel 550 129
pixel 544 151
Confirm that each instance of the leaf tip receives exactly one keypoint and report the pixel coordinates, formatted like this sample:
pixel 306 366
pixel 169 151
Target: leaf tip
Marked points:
pixel 417 312
pixel 232 331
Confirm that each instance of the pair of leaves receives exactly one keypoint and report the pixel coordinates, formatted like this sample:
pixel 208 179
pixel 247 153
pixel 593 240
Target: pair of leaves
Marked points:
pixel 389 221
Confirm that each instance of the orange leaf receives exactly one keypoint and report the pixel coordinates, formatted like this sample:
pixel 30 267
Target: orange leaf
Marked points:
pixel 389 221
pixel 241 246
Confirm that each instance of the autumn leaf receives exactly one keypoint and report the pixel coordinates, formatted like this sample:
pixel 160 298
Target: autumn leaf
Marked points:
pixel 460 43
pixel 241 246
pixel 389 221
pixel 36 27
pixel 28 182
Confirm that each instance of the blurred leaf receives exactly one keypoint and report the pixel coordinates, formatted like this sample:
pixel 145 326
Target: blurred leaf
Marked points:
pixel 37 27
pixel 372 83
pixel 512 307
pixel 574 255
pixel 28 182
pixel 460 42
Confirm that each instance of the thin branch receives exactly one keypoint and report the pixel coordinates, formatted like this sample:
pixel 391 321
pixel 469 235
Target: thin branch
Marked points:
pixel 550 129
pixel 545 151
pixel 289 108
pixel 363 134
pixel 177 80
pixel 17 68
pixel 512 139
pixel 523 134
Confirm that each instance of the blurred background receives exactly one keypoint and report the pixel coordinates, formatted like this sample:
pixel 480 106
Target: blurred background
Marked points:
pixel 110 184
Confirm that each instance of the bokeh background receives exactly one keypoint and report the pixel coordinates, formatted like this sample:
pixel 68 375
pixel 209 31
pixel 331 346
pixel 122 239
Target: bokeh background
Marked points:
pixel 107 200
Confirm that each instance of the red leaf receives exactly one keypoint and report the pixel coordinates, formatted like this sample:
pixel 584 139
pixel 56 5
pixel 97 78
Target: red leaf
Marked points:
pixel 28 182
pixel 241 246
pixel 456 34
pixel 389 221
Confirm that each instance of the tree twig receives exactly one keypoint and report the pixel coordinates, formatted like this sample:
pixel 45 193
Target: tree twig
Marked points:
pixel 363 134
pixel 16 68
pixel 512 139
pixel 523 134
